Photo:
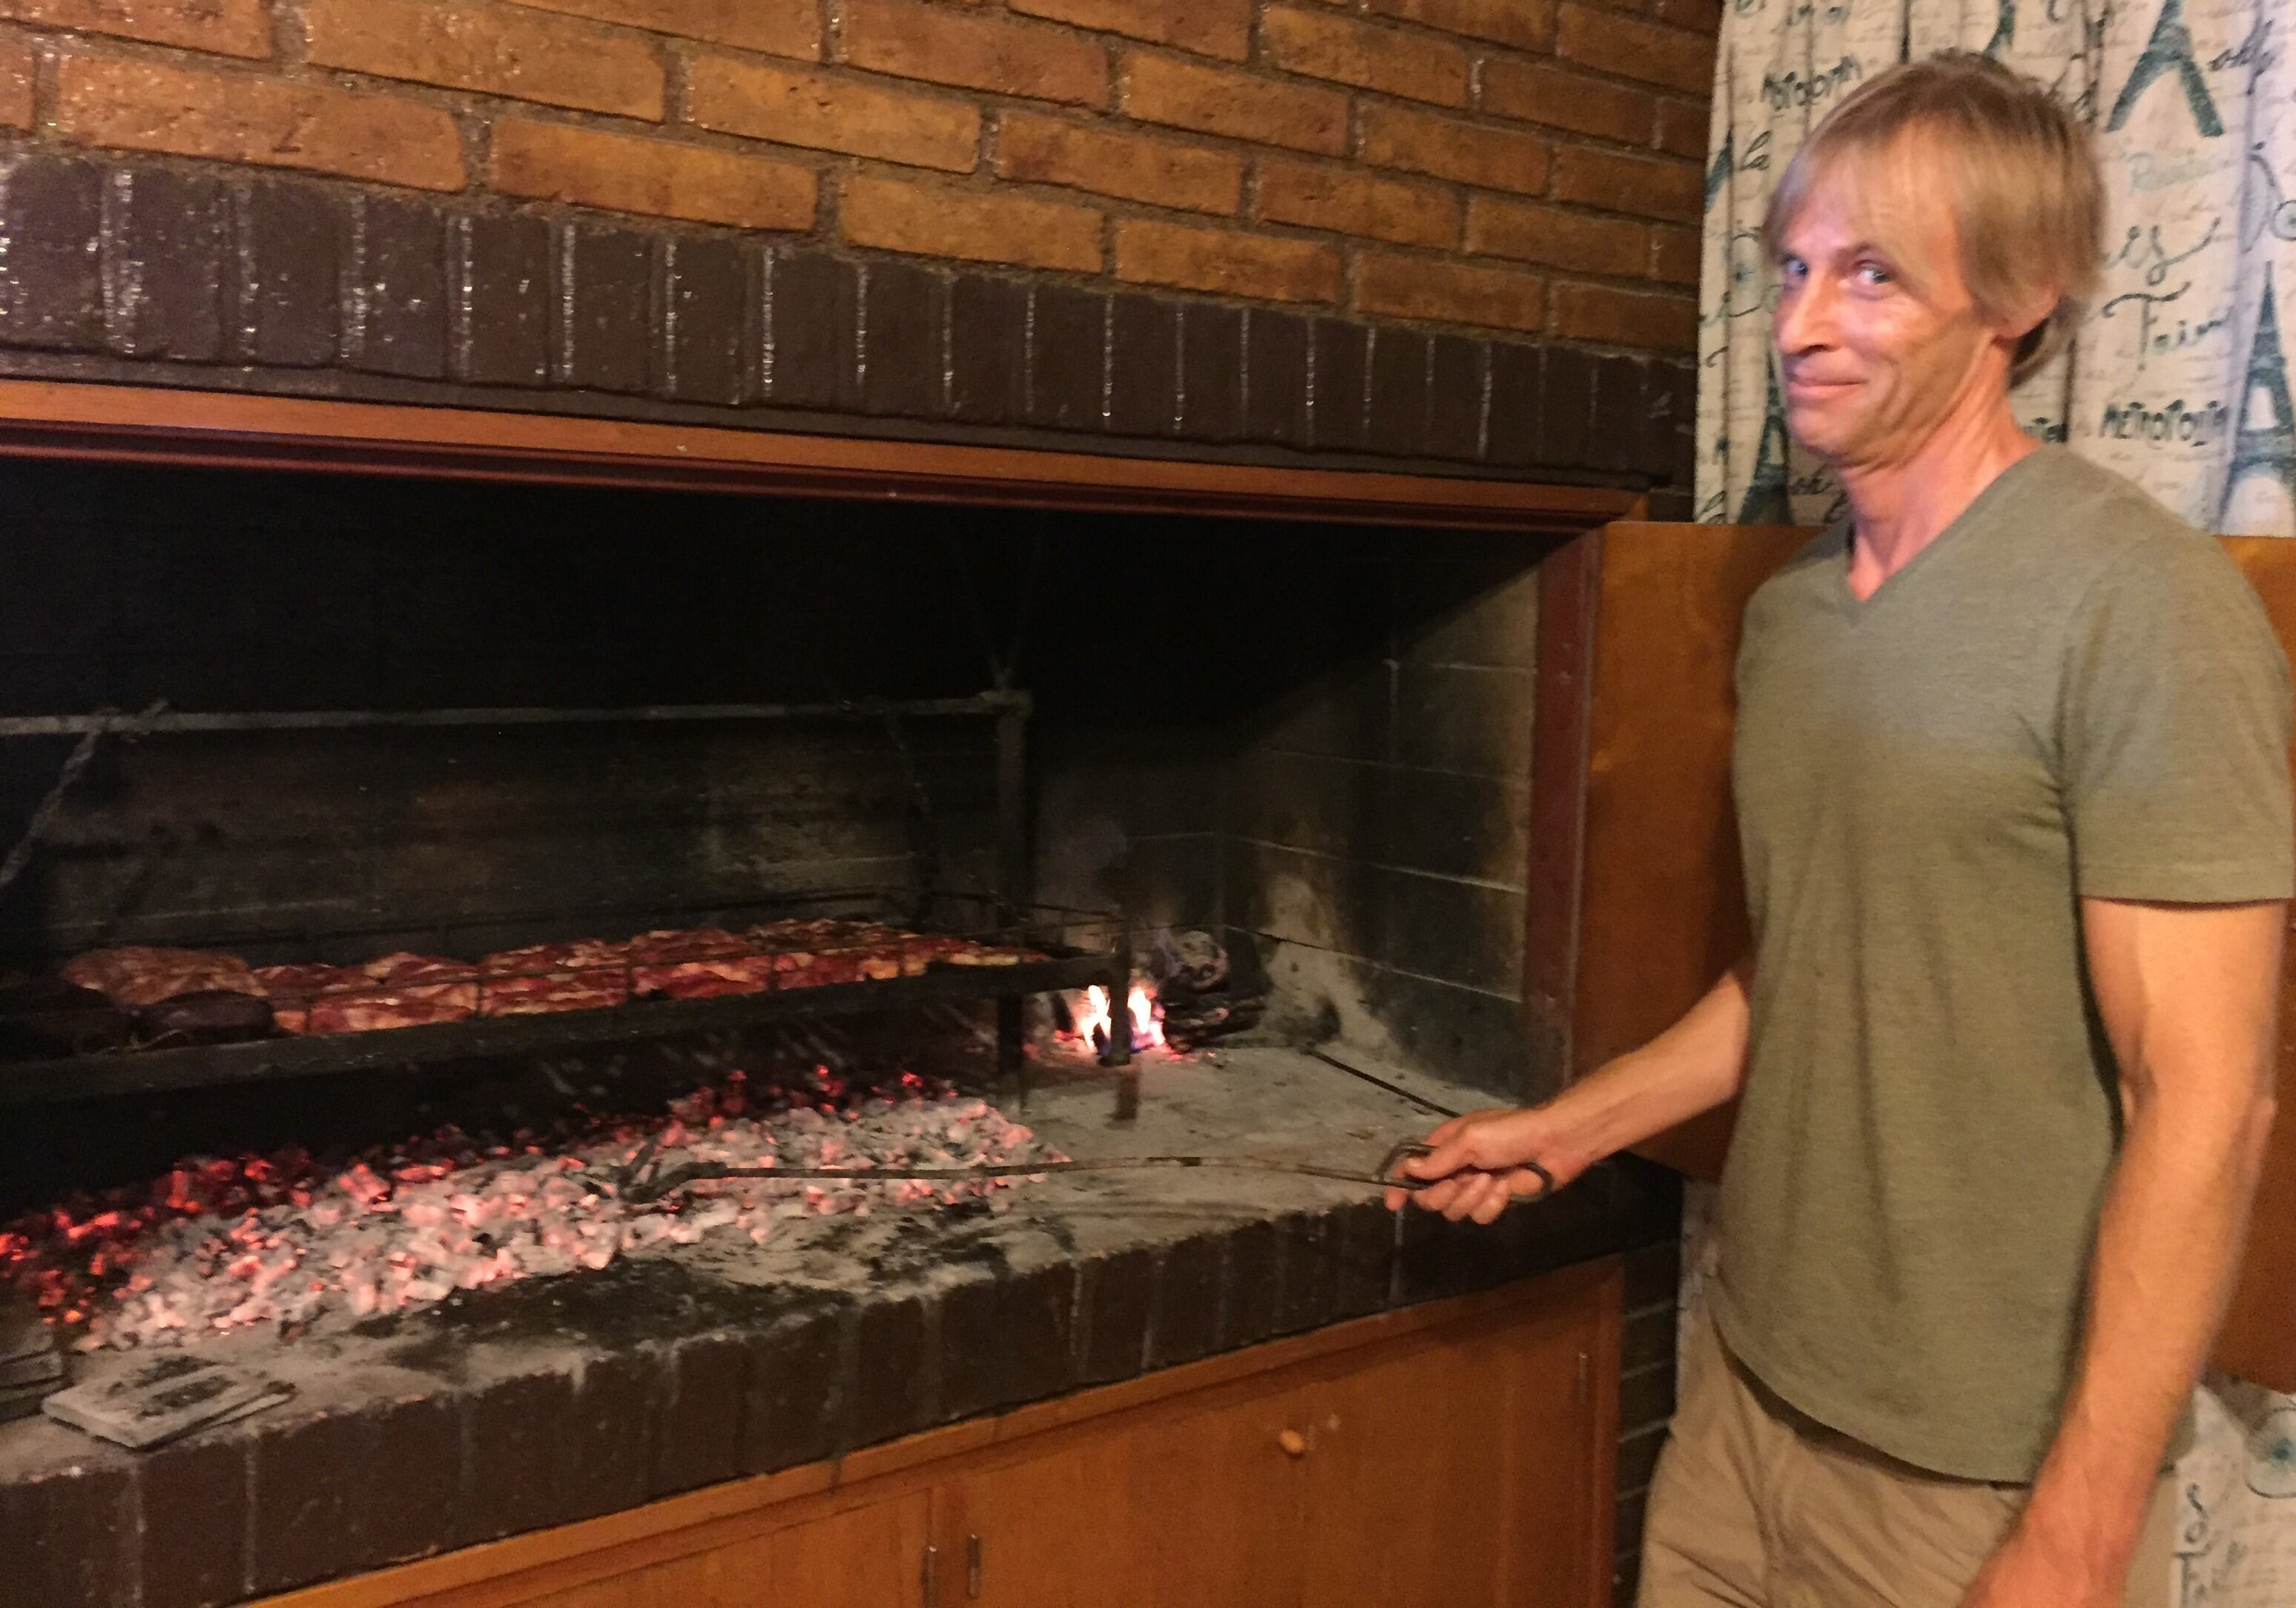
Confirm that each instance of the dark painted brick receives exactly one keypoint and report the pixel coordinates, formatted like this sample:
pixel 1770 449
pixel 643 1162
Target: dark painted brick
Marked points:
pixel 164 236
pixel 1454 399
pixel 1653 1274
pixel 903 309
pixel 1673 502
pixel 66 1540
pixel 793 1407
pixel 1212 372
pixel 1308 1271
pixel 503 300
pixel 1620 422
pixel 894 1384
pixel 1248 1304
pixel 987 349
pixel 397 321
pixel 697 1440
pixel 710 297
pixel 609 1456
pixel 1441 1257
pixel 1367 1237
pixel 50 216
pixel 1645 1397
pixel 811 314
pixel 1342 377
pixel 1143 366
pixel 1184 1323
pixel 290 272
pixel 306 1514
pixel 1276 378
pixel 1005 1340
pixel 1625 1577
pixel 1627 1534
pixel 1638 1456
pixel 514 1476
pixel 1669 445
pixel 1068 357
pixel 1566 404
pixel 1648 1337
pixel 1398 393
pixel 1115 1296
pixel 407 1497
pixel 605 308
pixel 193 1496
pixel 1647 1202
pixel 1513 437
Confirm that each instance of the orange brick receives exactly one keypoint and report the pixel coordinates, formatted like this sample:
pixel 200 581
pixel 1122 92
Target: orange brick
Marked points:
pixel 1324 46
pixel 1138 167
pixel 1700 16
pixel 1212 28
pixel 779 27
pixel 1448 292
pixel 231 28
pixel 972 223
pixel 1499 159
pixel 18 67
pixel 1681 128
pixel 828 112
pixel 1555 238
pixel 625 173
pixel 1212 99
pixel 1596 312
pixel 234 117
pixel 1634 49
pixel 1258 266
pixel 1647 186
pixel 1677 254
pixel 1560 99
pixel 497 51
pixel 911 41
pixel 1526 24
pixel 1324 196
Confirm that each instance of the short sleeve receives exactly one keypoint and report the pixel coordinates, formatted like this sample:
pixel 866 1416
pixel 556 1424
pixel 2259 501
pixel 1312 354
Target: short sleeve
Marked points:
pixel 2174 724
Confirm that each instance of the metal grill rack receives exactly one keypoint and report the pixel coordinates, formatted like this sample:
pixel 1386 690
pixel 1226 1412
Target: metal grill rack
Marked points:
pixel 1058 948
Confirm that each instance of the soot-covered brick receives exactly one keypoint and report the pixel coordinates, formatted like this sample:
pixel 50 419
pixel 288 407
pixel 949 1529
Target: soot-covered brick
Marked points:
pixel 797 1386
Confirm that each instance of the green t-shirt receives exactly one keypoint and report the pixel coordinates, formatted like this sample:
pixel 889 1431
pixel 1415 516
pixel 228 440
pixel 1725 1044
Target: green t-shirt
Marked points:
pixel 2067 694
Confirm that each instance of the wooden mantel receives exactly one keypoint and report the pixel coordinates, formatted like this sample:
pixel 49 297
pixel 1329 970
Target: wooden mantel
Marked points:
pixel 68 419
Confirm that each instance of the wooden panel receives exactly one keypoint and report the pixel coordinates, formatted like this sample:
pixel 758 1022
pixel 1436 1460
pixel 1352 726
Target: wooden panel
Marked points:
pixel 870 1557
pixel 1469 1470
pixel 1662 905
pixel 50 419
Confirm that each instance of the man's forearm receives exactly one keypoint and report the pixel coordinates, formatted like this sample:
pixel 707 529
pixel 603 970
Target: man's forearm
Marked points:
pixel 2167 1249
pixel 1695 1065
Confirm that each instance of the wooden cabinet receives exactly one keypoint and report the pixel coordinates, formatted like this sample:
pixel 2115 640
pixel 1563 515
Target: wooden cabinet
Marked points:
pixel 1460 1452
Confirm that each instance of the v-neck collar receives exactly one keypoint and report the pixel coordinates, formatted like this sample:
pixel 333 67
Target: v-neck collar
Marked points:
pixel 1993 491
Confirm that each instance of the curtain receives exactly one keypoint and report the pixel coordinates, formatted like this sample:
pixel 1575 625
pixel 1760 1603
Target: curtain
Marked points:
pixel 2178 376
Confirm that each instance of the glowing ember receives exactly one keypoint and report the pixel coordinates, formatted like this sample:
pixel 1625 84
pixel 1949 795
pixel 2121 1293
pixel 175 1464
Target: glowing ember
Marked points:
pixel 216 1245
pixel 1091 1015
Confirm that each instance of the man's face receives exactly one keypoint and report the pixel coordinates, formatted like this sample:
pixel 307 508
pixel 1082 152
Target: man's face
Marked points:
pixel 1878 346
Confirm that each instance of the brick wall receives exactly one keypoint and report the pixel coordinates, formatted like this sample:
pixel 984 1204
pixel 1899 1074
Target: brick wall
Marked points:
pixel 1525 174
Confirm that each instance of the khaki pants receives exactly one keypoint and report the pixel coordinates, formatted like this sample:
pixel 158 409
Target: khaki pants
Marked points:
pixel 1755 1505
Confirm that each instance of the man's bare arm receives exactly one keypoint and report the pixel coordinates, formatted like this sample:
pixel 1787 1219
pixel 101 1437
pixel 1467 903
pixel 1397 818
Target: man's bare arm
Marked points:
pixel 1693 1066
pixel 2189 996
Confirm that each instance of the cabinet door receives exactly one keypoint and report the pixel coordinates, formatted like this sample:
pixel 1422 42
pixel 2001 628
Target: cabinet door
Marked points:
pixel 869 1557
pixel 1197 1506
pixel 1463 1468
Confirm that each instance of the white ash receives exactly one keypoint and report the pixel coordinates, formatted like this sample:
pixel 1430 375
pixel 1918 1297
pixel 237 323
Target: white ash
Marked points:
pixel 368 1244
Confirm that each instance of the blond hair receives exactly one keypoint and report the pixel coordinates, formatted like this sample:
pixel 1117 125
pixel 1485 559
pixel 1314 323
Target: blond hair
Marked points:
pixel 2021 178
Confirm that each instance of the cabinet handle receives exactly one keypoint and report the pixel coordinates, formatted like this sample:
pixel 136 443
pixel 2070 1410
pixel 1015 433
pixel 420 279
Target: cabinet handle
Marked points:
pixel 1294 1443
pixel 926 1580
pixel 972 1566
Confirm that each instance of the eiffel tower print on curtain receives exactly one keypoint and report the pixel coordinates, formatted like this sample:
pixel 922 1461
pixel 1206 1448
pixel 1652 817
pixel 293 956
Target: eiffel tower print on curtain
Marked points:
pixel 1766 501
pixel 2258 449
pixel 2170 46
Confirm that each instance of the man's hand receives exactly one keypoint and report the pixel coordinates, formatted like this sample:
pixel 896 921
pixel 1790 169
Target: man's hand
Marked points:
pixel 1480 1159
pixel 2034 1570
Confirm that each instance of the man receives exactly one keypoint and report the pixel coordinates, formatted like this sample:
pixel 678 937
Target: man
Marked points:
pixel 2011 769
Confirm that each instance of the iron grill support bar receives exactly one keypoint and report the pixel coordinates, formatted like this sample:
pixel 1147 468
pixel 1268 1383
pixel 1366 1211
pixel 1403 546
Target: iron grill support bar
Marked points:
pixel 1004 706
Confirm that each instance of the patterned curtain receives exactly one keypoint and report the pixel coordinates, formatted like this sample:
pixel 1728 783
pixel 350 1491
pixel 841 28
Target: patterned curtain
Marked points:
pixel 2179 378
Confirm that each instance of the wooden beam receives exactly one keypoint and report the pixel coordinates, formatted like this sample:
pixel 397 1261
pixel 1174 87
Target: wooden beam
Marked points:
pixel 63 419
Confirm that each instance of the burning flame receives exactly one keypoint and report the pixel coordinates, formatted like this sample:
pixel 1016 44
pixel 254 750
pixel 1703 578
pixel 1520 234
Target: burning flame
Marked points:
pixel 1093 1023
